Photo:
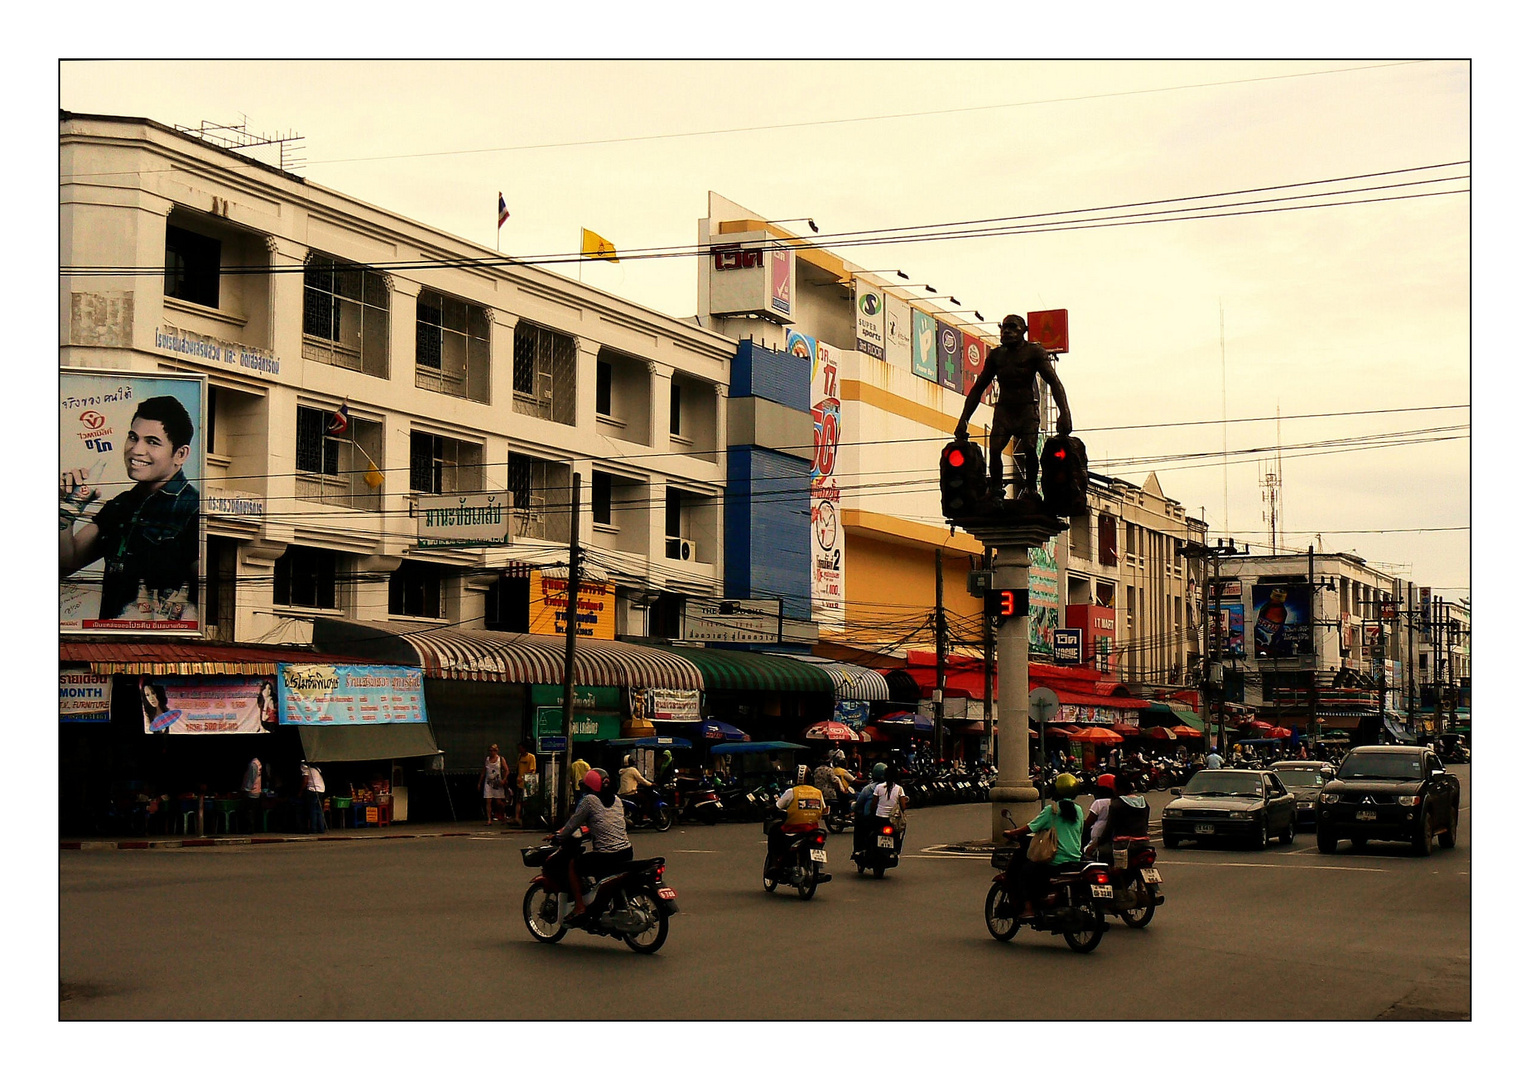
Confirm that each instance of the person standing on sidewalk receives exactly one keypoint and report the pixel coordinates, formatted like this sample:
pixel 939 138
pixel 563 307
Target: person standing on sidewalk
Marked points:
pixel 313 799
pixel 492 779
pixel 525 774
pixel 250 787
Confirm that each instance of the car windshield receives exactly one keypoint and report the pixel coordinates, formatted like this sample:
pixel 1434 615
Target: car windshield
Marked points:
pixel 1380 767
pixel 1217 782
pixel 1300 777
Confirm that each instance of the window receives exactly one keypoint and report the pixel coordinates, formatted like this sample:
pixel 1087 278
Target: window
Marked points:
pixel 672 508
pixel 415 589
pixel 338 469
pixel 543 373
pixel 603 387
pixel 345 316
pixel 317 450
pixel 451 346
pixel 191 266
pixel 1107 540
pixel 304 577
pixel 674 408
pixel 536 486
pixel 600 498
pixel 439 465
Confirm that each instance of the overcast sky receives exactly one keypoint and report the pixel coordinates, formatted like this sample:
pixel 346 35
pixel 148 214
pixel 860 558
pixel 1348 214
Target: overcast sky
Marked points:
pixel 1349 309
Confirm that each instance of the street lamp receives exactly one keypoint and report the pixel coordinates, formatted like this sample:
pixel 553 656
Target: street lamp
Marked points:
pixel 788 221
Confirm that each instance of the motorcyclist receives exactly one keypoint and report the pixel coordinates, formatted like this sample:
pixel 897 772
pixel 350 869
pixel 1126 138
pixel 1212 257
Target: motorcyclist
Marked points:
pixel 609 847
pixel 890 797
pixel 1096 821
pixel 1127 817
pixel 634 785
pixel 803 804
pixel 866 807
pixel 1031 879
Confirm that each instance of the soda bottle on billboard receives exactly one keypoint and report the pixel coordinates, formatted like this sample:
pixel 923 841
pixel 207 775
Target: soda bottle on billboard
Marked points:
pixel 1269 629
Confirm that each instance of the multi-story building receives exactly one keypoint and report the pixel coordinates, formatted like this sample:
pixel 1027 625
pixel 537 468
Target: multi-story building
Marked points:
pixel 460 371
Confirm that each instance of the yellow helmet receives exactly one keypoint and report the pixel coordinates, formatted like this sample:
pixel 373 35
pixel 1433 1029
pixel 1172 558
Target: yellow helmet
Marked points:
pixel 1066 785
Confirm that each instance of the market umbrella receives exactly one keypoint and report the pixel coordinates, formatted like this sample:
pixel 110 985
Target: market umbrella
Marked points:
pixel 1066 729
pixel 1258 725
pixel 833 731
pixel 917 721
pixel 871 733
pixel 1279 733
pixel 1185 731
pixel 1159 733
pixel 716 729
pixel 1097 734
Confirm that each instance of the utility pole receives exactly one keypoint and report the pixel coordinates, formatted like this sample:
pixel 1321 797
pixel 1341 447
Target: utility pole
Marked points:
pixel 941 644
pixel 571 635
pixel 1312 619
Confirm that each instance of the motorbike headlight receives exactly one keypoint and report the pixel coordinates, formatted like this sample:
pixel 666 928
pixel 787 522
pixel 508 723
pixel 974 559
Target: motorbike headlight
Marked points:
pixel 1328 797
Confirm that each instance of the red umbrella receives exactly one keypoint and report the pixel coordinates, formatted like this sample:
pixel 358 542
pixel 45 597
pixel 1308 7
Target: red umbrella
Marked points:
pixel 1279 733
pixel 1097 734
pixel 1259 725
pixel 1185 731
pixel 872 733
pixel 832 730
pixel 1159 733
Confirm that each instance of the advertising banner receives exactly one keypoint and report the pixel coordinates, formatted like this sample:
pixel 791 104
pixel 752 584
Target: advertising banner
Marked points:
pixel 1282 619
pixel 350 694
pixel 666 706
pixel 84 697
pixel 235 705
pixel 948 352
pixel 131 468
pixel 781 283
pixel 549 607
pixel 922 329
pixel 870 320
pixel 1046 604
pixel 827 549
pixel 800 345
pixel 1231 629
pixel 1067 646
pixel 899 332
pixel 852 714
pixel 974 352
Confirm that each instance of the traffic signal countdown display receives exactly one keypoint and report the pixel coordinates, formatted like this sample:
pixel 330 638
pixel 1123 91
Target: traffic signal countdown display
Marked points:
pixel 963 480
pixel 1006 603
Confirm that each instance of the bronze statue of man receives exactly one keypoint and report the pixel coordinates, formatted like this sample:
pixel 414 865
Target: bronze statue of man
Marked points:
pixel 1016 363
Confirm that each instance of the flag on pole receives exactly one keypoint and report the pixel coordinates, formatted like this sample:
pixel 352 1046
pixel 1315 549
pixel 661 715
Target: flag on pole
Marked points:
pixel 340 421
pixel 504 211
pixel 594 246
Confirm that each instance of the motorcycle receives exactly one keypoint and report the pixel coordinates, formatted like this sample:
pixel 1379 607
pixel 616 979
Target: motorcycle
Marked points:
pixel 881 851
pixel 1074 906
pixel 797 866
pixel 697 801
pixel 1134 881
pixel 648 808
pixel 633 904
pixel 840 813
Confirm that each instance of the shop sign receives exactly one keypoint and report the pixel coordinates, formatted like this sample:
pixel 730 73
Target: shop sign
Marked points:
pixel 350 694
pixel 1067 646
pixel 588 727
pixel 480 519
pixel 870 320
pixel 234 705
pixel 674 706
pixel 734 621
pixel 752 275
pixel 853 714
pixel 549 607
pixel 607 698
pixel 84 697
pixel 230 354
pixel 223 502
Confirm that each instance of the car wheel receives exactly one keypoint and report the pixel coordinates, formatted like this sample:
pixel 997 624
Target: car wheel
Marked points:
pixel 1423 840
pixel 1326 841
pixel 1448 837
pixel 1288 836
pixel 1262 837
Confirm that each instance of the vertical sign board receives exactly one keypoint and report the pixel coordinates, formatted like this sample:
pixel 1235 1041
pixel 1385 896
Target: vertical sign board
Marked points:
pixel 1049 329
pixel 922 329
pixel 870 320
pixel 1046 604
pixel 974 352
pixel 84 697
pixel 827 549
pixel 948 350
pixel 1067 646
pixel 131 469
pixel 899 332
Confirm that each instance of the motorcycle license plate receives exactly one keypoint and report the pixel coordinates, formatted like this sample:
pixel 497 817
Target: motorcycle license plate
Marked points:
pixel 1103 891
pixel 1205 830
pixel 1365 815
pixel 818 855
pixel 1152 877
pixel 885 841
pixel 666 893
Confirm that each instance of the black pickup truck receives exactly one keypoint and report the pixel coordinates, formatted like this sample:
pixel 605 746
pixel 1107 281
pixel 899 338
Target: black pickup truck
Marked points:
pixel 1389 793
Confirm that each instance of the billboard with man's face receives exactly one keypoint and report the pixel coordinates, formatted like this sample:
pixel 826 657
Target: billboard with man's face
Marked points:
pixel 131 468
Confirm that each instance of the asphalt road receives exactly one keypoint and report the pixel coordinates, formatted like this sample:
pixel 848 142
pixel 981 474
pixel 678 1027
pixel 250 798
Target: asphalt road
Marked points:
pixel 430 929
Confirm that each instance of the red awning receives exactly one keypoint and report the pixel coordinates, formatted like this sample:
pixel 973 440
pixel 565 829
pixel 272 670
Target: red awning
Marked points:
pixel 175 657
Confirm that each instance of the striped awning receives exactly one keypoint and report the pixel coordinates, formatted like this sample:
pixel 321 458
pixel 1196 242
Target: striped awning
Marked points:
pixel 496 656
pixel 851 681
pixel 734 669
pixel 187 657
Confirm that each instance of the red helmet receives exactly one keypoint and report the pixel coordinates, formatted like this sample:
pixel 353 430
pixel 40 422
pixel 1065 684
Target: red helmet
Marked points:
pixel 1106 782
pixel 593 779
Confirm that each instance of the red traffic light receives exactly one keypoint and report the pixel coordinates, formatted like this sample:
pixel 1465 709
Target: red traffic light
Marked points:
pixel 955 458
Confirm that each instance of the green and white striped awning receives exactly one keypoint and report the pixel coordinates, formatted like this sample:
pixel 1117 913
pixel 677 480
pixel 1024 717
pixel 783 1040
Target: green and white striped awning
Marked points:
pixel 851 681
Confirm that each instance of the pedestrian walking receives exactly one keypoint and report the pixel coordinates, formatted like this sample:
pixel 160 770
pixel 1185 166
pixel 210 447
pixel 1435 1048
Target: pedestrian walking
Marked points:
pixel 313 799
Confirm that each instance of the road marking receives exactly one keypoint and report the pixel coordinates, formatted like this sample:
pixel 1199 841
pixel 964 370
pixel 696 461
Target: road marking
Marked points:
pixel 1282 866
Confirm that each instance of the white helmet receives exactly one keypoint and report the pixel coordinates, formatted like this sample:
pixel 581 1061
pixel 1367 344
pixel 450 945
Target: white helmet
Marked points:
pixel 802 774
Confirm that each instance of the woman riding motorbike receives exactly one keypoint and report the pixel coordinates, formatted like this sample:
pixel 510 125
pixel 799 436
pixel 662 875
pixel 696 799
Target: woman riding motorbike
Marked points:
pixel 610 848
pixel 1062 815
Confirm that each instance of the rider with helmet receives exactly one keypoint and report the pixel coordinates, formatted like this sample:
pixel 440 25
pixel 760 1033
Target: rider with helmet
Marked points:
pixel 804 807
pixel 1097 821
pixel 1064 817
pixel 609 846
pixel 866 807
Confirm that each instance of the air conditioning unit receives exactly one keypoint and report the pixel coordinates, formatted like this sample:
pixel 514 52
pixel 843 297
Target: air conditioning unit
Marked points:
pixel 680 547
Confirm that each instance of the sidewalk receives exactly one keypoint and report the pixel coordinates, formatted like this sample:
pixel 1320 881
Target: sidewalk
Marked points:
pixel 405 831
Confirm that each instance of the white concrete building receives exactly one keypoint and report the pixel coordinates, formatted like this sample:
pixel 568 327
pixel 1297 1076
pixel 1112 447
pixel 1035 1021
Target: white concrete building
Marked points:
pixel 460 370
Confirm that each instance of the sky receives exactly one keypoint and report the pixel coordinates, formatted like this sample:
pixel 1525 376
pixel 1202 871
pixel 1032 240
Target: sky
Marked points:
pixel 1358 310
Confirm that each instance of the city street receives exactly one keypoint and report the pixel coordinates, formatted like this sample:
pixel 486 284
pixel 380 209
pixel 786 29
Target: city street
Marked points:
pixel 430 928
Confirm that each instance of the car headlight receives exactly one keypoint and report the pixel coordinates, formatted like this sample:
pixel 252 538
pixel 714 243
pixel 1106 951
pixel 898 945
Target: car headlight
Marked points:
pixel 1241 815
pixel 1304 805
pixel 1326 797
pixel 1173 811
pixel 1409 800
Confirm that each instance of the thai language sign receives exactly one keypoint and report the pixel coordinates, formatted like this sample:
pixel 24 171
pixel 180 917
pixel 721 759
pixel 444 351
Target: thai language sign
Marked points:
pixel 479 519
pixel 130 517
pixel 595 611
pixel 234 705
pixel 84 697
pixel 350 694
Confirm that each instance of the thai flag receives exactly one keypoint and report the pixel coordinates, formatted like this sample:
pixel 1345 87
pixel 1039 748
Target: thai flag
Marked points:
pixel 340 422
pixel 504 211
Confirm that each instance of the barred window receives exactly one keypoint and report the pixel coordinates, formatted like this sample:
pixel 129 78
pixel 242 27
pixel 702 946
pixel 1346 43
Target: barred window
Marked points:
pixel 317 450
pixel 439 465
pixel 304 577
pixel 345 316
pixel 451 346
pixel 543 373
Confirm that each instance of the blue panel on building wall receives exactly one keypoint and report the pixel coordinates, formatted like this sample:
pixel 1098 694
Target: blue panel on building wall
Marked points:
pixel 775 376
pixel 767 528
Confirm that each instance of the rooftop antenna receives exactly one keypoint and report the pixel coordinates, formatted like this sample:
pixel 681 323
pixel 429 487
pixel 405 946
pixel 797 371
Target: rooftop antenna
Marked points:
pixel 1270 482
pixel 238 137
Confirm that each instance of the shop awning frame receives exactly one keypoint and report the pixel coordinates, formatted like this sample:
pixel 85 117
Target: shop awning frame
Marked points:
pixel 735 669
pixel 366 742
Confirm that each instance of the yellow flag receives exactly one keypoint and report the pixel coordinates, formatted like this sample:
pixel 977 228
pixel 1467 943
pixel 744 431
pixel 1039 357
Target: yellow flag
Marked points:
pixel 594 246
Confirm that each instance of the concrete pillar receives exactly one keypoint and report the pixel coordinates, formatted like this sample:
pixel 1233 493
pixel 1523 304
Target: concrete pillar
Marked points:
pixel 1012 789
